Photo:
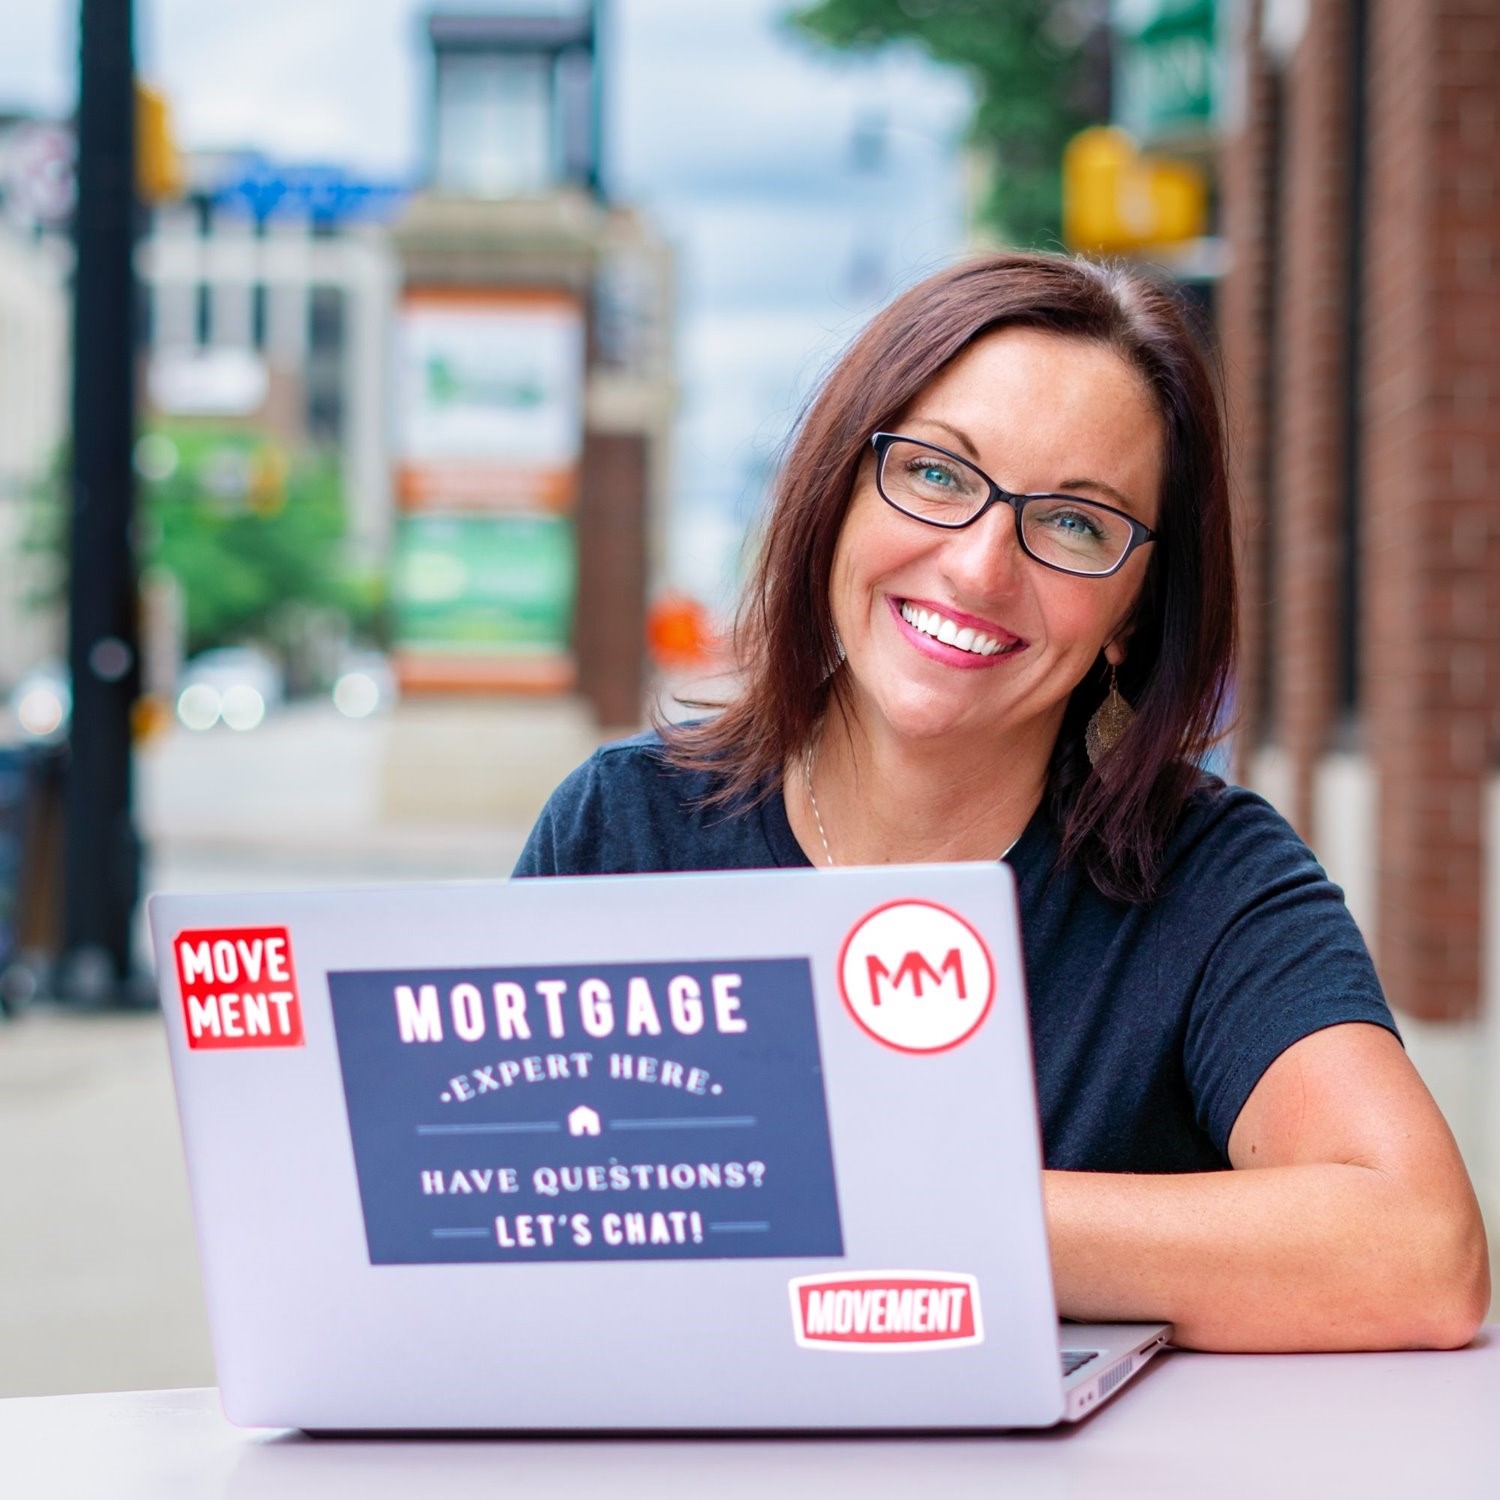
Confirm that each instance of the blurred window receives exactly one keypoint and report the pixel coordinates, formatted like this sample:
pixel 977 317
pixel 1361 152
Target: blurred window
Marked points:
pixel 203 315
pixel 495 136
pixel 258 315
pixel 325 364
pixel 145 314
pixel 325 321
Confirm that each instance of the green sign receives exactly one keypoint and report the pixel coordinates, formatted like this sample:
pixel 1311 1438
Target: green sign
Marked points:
pixel 1167 68
pixel 484 583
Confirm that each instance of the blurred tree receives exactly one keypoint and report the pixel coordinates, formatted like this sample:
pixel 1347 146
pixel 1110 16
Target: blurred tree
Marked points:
pixel 250 533
pixel 43 545
pixel 254 536
pixel 1039 70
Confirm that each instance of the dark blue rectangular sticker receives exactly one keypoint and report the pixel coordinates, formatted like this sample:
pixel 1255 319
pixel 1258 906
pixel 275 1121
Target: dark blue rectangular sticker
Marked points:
pixel 604 1112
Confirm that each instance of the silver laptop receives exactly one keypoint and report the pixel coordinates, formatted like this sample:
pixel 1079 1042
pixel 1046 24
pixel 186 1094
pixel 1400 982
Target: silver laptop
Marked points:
pixel 685 1152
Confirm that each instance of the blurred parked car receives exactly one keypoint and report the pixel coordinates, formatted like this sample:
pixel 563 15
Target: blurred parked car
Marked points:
pixel 234 685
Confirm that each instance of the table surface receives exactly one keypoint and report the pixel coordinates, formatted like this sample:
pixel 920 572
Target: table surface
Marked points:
pixel 1190 1424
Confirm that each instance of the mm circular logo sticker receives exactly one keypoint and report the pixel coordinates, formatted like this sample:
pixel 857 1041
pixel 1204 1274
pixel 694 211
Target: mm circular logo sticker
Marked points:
pixel 916 976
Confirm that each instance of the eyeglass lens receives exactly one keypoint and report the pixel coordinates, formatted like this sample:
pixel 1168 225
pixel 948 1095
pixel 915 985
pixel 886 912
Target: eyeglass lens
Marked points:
pixel 1059 529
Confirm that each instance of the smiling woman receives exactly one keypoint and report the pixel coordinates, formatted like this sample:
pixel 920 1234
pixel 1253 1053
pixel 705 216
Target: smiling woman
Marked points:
pixel 993 617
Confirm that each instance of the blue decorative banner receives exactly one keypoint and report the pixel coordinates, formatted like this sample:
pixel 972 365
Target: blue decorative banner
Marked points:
pixel 588 1112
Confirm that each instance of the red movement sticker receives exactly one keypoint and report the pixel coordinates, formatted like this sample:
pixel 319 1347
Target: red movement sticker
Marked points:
pixel 886 1310
pixel 916 976
pixel 239 988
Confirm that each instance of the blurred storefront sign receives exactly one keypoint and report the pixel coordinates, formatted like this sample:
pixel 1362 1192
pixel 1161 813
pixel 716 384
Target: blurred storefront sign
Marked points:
pixel 37 173
pixel 490 388
pixel 1117 199
pixel 1167 69
pixel 266 190
pixel 485 600
pixel 491 399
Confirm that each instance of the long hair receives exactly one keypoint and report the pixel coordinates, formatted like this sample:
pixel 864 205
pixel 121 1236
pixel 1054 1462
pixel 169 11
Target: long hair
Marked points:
pixel 1114 819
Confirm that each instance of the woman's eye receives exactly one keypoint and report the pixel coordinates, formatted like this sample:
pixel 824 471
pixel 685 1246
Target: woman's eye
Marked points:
pixel 937 476
pixel 1074 522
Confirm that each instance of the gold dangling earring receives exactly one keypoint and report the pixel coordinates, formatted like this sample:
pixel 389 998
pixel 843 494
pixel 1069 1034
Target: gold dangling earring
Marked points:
pixel 1110 721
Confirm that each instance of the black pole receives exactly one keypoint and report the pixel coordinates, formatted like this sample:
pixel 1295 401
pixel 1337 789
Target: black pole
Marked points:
pixel 101 855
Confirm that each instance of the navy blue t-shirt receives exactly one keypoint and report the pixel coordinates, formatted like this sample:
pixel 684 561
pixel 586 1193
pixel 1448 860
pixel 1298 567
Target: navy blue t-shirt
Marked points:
pixel 1150 1024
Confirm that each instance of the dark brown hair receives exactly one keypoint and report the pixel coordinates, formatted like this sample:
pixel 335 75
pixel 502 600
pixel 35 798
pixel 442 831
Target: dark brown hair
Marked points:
pixel 1114 819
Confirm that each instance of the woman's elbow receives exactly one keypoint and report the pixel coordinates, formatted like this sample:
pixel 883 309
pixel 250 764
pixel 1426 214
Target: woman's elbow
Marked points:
pixel 1448 1301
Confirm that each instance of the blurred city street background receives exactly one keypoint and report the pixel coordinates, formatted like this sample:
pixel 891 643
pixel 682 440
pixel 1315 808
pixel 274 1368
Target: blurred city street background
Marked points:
pixel 453 344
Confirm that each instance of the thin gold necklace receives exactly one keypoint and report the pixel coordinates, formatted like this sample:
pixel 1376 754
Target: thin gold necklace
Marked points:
pixel 807 764
pixel 807 770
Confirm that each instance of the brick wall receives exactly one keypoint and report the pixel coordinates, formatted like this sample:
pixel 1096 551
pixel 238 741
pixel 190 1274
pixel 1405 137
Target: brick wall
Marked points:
pixel 1432 446
pixel 1247 197
pixel 1427 456
pixel 1308 461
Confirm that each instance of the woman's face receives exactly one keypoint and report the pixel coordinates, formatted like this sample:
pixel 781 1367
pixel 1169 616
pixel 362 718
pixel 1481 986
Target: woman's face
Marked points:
pixel 1037 412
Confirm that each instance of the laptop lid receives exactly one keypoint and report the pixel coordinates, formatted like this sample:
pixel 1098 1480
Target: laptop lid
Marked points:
pixel 726 1151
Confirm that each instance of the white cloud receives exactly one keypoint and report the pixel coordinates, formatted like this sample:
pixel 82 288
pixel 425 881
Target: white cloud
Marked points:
pixel 38 52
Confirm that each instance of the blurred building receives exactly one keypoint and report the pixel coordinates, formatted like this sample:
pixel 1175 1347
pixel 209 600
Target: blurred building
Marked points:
pixel 267 297
pixel 534 381
pixel 1360 322
pixel 33 382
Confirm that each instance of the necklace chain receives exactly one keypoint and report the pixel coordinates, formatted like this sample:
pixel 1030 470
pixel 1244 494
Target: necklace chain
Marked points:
pixel 807 770
pixel 807 765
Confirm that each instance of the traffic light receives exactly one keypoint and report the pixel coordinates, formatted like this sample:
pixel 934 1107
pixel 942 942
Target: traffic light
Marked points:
pixel 158 163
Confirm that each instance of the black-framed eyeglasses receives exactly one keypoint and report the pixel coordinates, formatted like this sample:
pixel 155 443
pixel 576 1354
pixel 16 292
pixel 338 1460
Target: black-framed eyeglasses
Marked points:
pixel 1065 532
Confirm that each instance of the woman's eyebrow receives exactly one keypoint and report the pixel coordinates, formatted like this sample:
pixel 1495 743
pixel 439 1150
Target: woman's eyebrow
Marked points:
pixel 1124 502
pixel 964 441
pixel 958 435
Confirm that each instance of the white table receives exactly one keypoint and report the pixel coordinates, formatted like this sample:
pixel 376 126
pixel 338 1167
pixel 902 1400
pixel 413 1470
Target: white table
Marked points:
pixel 1208 1426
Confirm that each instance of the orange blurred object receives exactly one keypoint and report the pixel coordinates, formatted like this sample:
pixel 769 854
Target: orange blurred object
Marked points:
pixel 679 632
pixel 150 717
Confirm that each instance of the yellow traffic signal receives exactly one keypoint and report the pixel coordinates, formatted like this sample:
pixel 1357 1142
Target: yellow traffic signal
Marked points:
pixel 1115 198
pixel 158 163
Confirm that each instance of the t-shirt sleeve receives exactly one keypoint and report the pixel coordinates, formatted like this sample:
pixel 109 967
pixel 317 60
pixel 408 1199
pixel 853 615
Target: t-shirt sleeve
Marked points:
pixel 1278 956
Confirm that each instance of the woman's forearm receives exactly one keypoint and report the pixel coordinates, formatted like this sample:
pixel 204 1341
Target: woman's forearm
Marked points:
pixel 1278 1258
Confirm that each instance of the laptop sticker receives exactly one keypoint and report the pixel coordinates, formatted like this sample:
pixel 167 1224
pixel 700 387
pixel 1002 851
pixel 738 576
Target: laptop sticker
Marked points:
pixel 886 1311
pixel 238 987
pixel 916 976
pixel 645 1111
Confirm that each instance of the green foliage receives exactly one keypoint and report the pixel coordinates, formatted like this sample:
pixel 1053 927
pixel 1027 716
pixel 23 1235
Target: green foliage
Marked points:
pixel 254 537
pixel 44 535
pixel 248 532
pixel 1025 60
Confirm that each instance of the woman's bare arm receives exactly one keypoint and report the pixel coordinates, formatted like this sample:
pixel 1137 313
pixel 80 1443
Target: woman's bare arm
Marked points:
pixel 1350 1222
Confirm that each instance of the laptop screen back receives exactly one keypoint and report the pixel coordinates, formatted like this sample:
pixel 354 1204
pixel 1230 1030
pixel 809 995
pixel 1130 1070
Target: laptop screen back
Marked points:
pixel 724 1151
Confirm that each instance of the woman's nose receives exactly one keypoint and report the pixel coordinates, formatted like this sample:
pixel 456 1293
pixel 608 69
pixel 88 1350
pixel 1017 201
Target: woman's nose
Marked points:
pixel 985 559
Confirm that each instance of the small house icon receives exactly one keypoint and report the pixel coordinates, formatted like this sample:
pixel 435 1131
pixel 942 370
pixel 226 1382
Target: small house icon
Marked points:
pixel 583 1121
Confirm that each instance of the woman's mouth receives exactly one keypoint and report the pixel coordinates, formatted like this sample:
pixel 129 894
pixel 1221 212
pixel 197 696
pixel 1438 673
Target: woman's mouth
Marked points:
pixel 957 632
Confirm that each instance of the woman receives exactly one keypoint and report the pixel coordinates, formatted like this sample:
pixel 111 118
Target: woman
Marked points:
pixel 993 617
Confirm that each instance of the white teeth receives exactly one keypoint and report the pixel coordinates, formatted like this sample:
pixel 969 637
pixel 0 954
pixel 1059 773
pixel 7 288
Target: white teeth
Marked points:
pixel 929 622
